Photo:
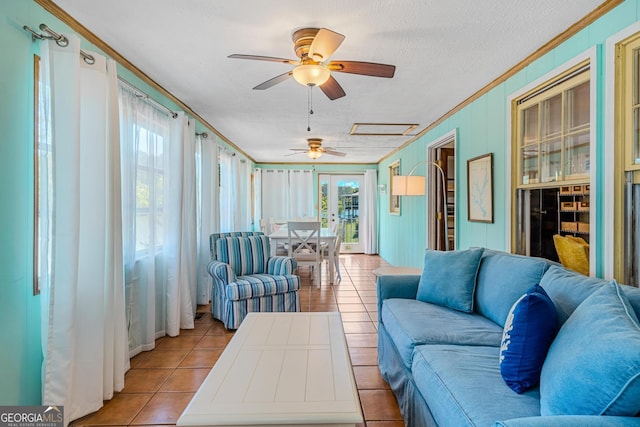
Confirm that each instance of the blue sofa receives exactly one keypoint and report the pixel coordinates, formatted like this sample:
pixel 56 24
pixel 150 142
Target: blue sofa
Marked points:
pixel 443 365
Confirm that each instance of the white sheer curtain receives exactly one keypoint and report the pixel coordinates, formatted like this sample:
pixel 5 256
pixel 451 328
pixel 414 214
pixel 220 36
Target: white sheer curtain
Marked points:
pixel 369 212
pixel 300 194
pixel 257 199
pixel 160 249
pixel 275 194
pixel 207 182
pixel 228 205
pixel 181 244
pixel 83 314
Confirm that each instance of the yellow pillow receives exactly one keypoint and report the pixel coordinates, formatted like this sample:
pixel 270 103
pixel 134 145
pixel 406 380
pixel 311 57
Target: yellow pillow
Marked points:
pixel 573 253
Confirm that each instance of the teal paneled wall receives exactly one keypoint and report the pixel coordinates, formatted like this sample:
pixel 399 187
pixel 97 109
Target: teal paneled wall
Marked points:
pixel 482 128
pixel 20 354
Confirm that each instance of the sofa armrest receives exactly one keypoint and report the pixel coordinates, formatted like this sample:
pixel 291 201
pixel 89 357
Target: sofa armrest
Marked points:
pixel 221 272
pixel 401 286
pixel 281 265
pixel 570 421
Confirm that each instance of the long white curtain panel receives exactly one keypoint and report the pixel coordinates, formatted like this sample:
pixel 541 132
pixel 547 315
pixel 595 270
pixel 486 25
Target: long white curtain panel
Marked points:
pixel 83 314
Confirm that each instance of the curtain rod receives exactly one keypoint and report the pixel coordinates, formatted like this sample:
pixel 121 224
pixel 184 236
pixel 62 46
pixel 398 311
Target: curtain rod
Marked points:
pixel 62 41
pixel 142 95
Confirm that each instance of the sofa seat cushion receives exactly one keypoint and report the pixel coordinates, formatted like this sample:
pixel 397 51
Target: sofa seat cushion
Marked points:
pixel 462 386
pixel 259 285
pixel 411 323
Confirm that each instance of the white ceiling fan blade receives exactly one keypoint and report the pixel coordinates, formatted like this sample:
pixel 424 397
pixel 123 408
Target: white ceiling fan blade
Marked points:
pixel 324 44
pixel 333 153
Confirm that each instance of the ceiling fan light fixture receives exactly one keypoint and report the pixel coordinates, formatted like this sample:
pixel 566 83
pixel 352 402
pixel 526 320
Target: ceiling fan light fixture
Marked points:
pixel 311 74
pixel 314 154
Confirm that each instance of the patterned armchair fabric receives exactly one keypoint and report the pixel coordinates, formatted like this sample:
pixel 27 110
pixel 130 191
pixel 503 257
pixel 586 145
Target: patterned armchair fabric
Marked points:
pixel 246 279
pixel 215 236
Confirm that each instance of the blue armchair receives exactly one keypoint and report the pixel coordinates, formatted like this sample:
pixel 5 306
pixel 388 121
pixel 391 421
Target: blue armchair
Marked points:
pixel 246 279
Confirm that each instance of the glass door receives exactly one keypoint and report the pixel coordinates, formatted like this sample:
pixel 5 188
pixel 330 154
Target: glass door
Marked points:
pixel 339 203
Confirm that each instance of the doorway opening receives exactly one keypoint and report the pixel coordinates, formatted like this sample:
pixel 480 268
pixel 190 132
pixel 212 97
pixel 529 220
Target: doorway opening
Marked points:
pixel 440 226
pixel 340 198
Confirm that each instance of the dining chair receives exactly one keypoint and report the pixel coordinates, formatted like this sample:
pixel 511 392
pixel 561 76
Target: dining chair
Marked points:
pixel 304 246
pixel 334 253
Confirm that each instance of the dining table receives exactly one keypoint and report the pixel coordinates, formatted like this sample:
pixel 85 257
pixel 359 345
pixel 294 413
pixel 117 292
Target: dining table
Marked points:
pixel 327 236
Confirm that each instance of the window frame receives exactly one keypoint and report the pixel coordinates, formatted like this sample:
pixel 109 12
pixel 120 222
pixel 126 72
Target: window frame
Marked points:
pixel 560 85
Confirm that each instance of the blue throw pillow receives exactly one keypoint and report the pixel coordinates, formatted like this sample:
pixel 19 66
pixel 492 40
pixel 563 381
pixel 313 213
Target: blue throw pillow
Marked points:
pixel 593 365
pixel 531 325
pixel 449 278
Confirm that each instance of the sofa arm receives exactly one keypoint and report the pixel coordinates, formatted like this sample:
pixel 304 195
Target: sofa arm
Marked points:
pixel 401 286
pixel 570 421
pixel 281 265
pixel 221 272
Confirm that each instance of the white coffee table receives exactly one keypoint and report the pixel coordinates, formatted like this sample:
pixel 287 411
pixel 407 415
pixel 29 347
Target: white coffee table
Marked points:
pixel 288 369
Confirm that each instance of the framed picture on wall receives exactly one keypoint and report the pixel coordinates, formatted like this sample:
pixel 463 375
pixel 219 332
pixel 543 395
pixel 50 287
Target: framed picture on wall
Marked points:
pixel 394 201
pixel 480 188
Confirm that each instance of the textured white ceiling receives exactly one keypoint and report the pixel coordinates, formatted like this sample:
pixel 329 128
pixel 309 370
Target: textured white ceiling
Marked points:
pixel 444 51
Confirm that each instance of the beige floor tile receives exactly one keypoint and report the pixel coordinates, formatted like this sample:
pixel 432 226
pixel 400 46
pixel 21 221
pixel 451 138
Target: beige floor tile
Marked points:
pixel 181 342
pixel 364 356
pixel 201 358
pixel 379 405
pixel 368 377
pixel 362 340
pixel 120 410
pixel 213 342
pixel 359 328
pixel 163 408
pixel 159 359
pixel 185 379
pixel 145 380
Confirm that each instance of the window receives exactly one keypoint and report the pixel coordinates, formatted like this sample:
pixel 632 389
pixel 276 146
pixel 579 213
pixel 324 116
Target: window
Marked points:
pixel 626 171
pixel 551 142
pixel 149 189
pixel 553 128
pixel 394 201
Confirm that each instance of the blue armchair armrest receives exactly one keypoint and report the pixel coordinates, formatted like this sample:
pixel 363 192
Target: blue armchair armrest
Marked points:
pixel 405 286
pixel 221 271
pixel 281 265
pixel 570 421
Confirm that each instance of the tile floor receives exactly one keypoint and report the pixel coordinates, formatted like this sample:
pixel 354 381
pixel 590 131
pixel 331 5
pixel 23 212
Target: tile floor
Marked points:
pixel 161 382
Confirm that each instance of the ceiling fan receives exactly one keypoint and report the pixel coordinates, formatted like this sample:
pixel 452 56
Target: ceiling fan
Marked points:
pixel 315 149
pixel 314 47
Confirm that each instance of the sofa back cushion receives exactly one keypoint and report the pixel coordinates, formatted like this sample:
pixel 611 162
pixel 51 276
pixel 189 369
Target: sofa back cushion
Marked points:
pixel 448 278
pixel 593 367
pixel 245 255
pixel 502 279
pixel 567 289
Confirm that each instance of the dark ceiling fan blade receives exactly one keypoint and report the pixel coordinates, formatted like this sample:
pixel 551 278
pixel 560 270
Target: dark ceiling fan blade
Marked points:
pixel 332 89
pixel 324 44
pixel 363 68
pixel 264 58
pixel 274 81
pixel 333 153
pixel 301 150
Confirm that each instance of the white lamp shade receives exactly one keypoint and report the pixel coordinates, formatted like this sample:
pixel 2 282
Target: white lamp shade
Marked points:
pixel 408 185
pixel 311 74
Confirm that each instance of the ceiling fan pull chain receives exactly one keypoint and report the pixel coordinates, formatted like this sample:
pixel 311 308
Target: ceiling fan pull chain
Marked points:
pixel 309 109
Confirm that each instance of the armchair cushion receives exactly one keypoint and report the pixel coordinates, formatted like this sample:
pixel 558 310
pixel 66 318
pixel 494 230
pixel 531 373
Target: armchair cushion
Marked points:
pixel 245 255
pixel 213 238
pixel 259 285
